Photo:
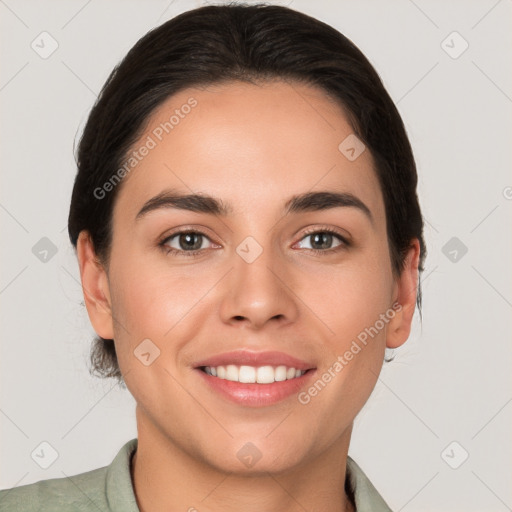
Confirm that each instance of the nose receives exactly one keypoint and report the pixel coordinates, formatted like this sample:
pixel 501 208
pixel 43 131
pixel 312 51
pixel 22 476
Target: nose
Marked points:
pixel 258 292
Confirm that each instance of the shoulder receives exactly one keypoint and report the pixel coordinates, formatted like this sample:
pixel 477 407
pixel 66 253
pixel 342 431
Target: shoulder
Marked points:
pixel 82 492
pixel 108 488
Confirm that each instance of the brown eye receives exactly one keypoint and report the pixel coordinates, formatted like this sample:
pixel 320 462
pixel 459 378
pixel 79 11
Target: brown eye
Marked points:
pixel 186 243
pixel 323 240
pixel 191 241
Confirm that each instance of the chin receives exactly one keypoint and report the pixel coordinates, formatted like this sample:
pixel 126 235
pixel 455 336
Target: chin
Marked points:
pixel 246 455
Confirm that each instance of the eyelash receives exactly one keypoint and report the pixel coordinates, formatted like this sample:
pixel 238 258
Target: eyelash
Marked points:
pixel 170 250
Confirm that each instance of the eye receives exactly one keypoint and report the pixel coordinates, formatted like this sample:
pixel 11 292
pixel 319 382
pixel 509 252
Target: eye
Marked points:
pixel 192 243
pixel 186 243
pixel 322 240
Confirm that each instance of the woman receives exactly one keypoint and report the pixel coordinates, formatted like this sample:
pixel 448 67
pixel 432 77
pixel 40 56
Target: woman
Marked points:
pixel 249 240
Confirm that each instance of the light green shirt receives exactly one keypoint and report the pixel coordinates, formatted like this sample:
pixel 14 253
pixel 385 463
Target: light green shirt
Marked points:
pixel 110 489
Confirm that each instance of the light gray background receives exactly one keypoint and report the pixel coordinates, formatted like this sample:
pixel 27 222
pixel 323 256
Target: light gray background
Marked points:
pixel 450 382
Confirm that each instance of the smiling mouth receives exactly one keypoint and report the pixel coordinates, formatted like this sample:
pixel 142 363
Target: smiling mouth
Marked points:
pixel 252 374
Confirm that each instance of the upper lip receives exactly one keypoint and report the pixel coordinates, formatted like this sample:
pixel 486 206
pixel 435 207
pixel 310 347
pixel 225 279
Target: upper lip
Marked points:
pixel 248 358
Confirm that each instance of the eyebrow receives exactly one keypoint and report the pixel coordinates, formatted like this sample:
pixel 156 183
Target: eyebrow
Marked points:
pixel 202 203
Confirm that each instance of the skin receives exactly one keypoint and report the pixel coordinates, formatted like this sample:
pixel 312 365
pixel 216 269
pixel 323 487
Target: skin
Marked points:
pixel 253 146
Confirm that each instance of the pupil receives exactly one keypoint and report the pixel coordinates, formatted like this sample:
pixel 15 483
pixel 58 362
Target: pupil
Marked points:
pixel 185 240
pixel 326 237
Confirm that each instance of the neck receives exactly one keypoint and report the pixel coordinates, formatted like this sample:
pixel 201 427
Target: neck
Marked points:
pixel 165 477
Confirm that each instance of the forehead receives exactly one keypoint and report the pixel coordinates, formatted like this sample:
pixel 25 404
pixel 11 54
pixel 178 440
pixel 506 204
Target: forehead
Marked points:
pixel 248 144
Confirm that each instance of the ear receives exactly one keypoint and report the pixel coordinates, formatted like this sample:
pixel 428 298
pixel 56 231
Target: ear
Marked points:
pixel 399 326
pixel 95 287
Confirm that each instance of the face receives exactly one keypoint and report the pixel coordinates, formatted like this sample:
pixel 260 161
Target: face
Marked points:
pixel 286 263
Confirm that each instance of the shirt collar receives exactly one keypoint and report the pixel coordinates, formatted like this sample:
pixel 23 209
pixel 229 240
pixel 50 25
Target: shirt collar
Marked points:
pixel 118 485
pixel 366 497
pixel 121 495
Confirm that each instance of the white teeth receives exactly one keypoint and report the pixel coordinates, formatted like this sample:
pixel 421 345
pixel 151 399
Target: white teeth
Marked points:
pixel 280 373
pixel 232 372
pixel 265 375
pixel 247 374
pixel 252 374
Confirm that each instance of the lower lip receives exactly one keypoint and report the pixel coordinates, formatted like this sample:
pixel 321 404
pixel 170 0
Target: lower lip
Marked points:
pixel 257 395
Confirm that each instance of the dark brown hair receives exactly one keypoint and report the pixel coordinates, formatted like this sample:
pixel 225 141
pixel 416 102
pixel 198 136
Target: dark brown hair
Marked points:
pixel 251 43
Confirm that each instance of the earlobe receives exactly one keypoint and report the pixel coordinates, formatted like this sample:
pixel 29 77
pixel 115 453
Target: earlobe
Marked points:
pixel 399 327
pixel 95 287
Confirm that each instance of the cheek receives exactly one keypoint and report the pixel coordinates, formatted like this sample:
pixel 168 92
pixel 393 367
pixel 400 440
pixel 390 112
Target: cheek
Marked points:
pixel 350 298
pixel 355 304
pixel 154 301
pixel 350 305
